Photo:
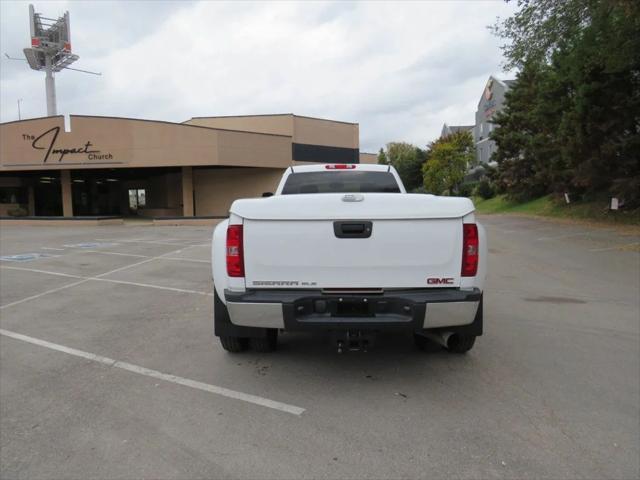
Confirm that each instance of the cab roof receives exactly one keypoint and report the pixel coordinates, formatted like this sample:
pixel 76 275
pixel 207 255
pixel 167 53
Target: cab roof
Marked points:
pixel 366 167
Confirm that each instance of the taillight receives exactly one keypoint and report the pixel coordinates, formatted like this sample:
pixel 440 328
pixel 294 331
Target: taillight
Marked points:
pixel 235 253
pixel 340 166
pixel 469 249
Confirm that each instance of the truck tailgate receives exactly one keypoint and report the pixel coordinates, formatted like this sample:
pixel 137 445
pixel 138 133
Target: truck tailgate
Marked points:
pixel 402 253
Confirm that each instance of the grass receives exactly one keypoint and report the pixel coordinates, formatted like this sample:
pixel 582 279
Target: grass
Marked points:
pixel 548 206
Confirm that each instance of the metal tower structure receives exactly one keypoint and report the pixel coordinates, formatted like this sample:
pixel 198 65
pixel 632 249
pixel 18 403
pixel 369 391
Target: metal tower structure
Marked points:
pixel 50 50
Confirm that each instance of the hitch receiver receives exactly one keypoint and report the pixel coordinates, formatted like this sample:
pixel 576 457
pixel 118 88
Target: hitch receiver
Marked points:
pixel 353 340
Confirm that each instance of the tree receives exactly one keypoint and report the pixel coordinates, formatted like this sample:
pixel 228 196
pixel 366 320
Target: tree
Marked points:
pixel 407 159
pixel 448 159
pixel 529 159
pixel 572 121
pixel 600 134
pixel 539 28
pixel 382 158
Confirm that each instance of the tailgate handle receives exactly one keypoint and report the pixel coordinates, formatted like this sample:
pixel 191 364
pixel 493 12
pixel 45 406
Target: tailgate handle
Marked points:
pixel 352 229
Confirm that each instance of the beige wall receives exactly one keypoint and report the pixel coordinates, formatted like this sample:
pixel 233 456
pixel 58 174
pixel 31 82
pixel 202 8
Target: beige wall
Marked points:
pixel 368 157
pixel 251 141
pixel 187 192
pixel 307 130
pixel 128 143
pixel 315 131
pixel 254 150
pixel 67 198
pixel 276 124
pixel 216 189
pixel 124 143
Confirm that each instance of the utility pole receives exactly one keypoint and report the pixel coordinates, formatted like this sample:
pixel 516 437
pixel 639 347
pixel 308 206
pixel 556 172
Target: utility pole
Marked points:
pixel 50 50
pixel 19 114
pixel 50 87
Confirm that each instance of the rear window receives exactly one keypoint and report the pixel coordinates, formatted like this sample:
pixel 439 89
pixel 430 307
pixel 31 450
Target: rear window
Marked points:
pixel 340 182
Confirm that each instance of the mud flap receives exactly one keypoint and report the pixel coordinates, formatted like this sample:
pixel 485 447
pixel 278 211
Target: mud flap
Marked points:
pixel 223 327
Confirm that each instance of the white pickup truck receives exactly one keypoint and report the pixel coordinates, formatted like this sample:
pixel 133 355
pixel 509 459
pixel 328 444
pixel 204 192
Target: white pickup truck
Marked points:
pixel 344 248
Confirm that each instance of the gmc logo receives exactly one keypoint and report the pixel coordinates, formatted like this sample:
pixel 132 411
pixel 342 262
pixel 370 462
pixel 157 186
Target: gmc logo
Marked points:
pixel 440 281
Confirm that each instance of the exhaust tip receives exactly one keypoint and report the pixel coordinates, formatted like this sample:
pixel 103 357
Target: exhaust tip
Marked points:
pixel 452 341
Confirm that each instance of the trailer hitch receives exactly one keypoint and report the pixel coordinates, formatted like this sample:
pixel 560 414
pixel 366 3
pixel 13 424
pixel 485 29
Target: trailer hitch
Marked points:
pixel 353 340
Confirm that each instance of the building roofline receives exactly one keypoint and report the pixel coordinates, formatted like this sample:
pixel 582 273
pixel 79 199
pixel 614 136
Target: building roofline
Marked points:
pixel 272 115
pixel 502 82
pixel 153 121
pixel 326 119
pixel 192 118
pixel 184 125
pixel 243 116
pixel 31 119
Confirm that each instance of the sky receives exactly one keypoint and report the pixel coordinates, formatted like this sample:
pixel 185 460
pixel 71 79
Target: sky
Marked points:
pixel 398 69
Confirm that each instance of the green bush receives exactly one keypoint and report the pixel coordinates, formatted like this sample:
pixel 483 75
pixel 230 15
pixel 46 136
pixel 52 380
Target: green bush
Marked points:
pixel 465 189
pixel 485 189
pixel 448 159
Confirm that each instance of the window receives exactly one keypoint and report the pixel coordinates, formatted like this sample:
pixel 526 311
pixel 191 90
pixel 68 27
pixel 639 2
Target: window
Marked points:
pixel 137 198
pixel 13 195
pixel 341 182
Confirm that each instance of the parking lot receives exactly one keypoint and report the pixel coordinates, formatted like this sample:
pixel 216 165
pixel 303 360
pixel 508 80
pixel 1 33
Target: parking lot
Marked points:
pixel 109 368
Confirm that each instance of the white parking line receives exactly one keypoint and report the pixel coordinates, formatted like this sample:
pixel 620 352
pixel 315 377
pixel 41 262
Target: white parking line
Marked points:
pixel 180 259
pixel 49 272
pixel 155 242
pixel 33 297
pixel 51 248
pixel 148 285
pixel 147 256
pixel 206 387
pixel 117 253
pixel 128 266
pixel 99 279
pixel 140 240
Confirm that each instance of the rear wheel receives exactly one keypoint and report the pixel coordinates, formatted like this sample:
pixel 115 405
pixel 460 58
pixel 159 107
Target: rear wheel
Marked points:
pixel 267 343
pixel 460 343
pixel 230 342
pixel 234 344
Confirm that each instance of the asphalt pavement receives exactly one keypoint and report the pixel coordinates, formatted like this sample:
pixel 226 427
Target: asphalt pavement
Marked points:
pixel 109 368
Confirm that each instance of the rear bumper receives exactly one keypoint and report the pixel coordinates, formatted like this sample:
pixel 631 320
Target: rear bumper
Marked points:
pixel 303 310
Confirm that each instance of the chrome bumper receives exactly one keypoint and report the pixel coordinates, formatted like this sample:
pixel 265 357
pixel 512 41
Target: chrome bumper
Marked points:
pixel 297 309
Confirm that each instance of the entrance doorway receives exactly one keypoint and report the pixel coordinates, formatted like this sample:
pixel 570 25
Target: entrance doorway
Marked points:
pixel 144 192
pixel 47 194
pixel 137 199
pixel 95 193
